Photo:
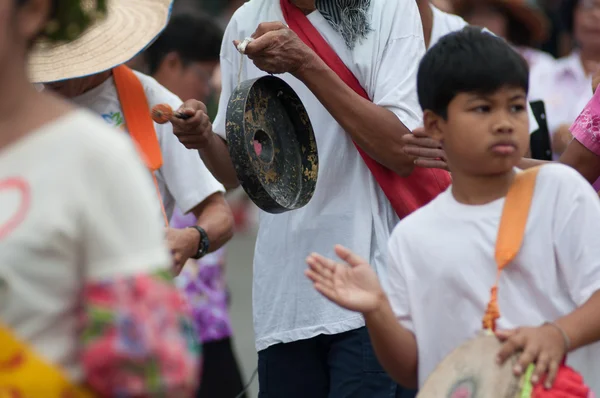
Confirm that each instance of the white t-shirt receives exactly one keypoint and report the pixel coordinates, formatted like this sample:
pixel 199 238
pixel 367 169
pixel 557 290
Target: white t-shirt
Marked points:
pixel 348 206
pixel 91 215
pixel 183 178
pixel 445 23
pixel 441 257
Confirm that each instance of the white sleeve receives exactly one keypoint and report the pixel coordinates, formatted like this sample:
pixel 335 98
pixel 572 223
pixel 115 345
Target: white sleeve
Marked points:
pixel 122 229
pixel 396 77
pixel 576 234
pixel 186 177
pixel 396 286
pixel 230 64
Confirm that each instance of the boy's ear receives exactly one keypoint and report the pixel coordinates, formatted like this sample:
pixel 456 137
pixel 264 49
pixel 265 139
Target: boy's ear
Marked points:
pixel 432 125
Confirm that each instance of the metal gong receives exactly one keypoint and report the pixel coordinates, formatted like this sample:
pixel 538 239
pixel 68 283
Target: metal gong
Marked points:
pixel 272 144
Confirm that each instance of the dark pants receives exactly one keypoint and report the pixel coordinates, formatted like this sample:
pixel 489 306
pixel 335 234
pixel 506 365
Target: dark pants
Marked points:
pixel 221 376
pixel 336 366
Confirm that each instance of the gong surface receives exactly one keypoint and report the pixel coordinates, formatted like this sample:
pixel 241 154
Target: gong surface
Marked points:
pixel 272 144
pixel 470 371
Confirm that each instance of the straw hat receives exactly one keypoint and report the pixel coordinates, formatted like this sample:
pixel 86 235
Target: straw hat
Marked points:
pixel 129 27
pixel 525 12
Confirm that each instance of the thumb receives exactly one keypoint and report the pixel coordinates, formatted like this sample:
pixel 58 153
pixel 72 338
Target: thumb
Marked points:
pixel 348 256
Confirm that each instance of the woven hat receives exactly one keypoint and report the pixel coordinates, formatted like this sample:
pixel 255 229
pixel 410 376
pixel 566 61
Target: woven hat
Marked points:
pixel 525 12
pixel 129 27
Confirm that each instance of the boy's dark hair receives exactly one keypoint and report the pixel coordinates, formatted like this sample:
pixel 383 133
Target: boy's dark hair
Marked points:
pixel 194 36
pixel 468 61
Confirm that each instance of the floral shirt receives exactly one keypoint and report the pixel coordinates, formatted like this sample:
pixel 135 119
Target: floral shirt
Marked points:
pixel 203 283
pixel 586 128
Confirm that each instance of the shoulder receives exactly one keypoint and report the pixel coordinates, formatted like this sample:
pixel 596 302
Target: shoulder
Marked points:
pixel 157 93
pixel 97 148
pixel 449 22
pixel 396 19
pixel 416 226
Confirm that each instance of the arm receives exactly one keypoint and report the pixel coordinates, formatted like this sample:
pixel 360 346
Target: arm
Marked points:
pixel 129 304
pixel 583 325
pixel 216 158
pixel 586 162
pixel 215 217
pixel 375 129
pixel 395 346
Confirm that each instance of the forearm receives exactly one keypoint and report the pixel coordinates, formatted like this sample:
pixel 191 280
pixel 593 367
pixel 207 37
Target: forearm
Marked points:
pixel 583 325
pixel 215 217
pixel 395 346
pixel 216 158
pixel 375 129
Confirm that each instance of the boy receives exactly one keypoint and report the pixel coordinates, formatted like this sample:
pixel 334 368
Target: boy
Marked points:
pixel 473 89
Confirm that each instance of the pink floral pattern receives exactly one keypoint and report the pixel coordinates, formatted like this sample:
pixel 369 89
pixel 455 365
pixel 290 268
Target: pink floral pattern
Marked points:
pixel 138 338
pixel 586 128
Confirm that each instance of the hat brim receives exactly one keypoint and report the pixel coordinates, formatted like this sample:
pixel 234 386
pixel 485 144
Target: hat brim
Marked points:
pixel 535 21
pixel 129 27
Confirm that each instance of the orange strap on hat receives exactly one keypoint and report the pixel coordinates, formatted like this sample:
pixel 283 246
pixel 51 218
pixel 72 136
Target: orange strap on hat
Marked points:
pixel 510 233
pixel 138 120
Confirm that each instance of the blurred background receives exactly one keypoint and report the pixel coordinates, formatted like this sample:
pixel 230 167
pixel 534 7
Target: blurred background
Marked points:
pixel 560 39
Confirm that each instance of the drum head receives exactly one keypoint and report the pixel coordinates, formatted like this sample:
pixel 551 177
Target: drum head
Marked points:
pixel 272 144
pixel 471 371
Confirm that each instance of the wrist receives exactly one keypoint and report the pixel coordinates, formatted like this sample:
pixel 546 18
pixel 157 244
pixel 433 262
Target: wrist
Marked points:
pixel 311 63
pixel 567 344
pixel 383 305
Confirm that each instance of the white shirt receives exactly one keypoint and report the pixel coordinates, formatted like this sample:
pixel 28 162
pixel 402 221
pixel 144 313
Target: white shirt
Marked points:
pixel 442 267
pixel 445 23
pixel 91 215
pixel 348 206
pixel 183 178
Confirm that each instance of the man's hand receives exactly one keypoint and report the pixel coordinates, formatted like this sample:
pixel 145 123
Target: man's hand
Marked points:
pixel 545 346
pixel 561 139
pixel 183 244
pixel 196 131
pixel 277 49
pixel 353 285
pixel 429 152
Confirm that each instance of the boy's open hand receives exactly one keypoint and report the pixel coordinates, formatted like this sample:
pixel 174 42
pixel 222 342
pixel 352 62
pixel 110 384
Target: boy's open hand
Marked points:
pixel 353 286
pixel 544 346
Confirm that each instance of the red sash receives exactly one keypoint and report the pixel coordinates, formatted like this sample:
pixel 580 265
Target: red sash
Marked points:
pixel 406 194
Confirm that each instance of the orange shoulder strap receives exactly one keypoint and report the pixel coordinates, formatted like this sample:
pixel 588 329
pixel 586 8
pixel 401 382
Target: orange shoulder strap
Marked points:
pixel 510 233
pixel 138 120
pixel 136 112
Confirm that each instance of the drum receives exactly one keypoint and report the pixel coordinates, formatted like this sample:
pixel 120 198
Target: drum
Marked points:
pixel 470 371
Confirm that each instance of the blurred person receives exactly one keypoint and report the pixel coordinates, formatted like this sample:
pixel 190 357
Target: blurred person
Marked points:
pixel 521 22
pixel 180 175
pixel 360 107
pixel 87 301
pixel 184 59
pixel 565 86
pixel 444 5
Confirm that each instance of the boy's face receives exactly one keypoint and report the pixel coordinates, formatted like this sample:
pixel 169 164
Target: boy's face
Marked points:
pixel 483 134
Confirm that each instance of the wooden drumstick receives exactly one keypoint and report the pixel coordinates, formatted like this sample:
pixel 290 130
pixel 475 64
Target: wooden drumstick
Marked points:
pixel 162 113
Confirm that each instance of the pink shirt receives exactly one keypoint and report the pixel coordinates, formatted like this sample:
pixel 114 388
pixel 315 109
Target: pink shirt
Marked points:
pixel 586 128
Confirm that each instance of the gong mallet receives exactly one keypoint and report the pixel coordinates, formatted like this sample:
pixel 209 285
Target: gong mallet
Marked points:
pixel 162 113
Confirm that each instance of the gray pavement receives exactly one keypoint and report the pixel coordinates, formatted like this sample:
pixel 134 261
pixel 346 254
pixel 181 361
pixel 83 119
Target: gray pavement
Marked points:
pixel 239 277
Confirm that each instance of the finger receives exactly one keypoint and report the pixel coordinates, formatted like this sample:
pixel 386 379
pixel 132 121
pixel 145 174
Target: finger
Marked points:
pixel 265 27
pixel 528 356
pixel 193 104
pixel 327 292
pixel 542 365
pixel 323 261
pixel 348 256
pixel 410 139
pixel 510 347
pixel 503 335
pixel 432 164
pixel 551 375
pixel 316 277
pixel 421 152
pixel 421 133
pixel 261 44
